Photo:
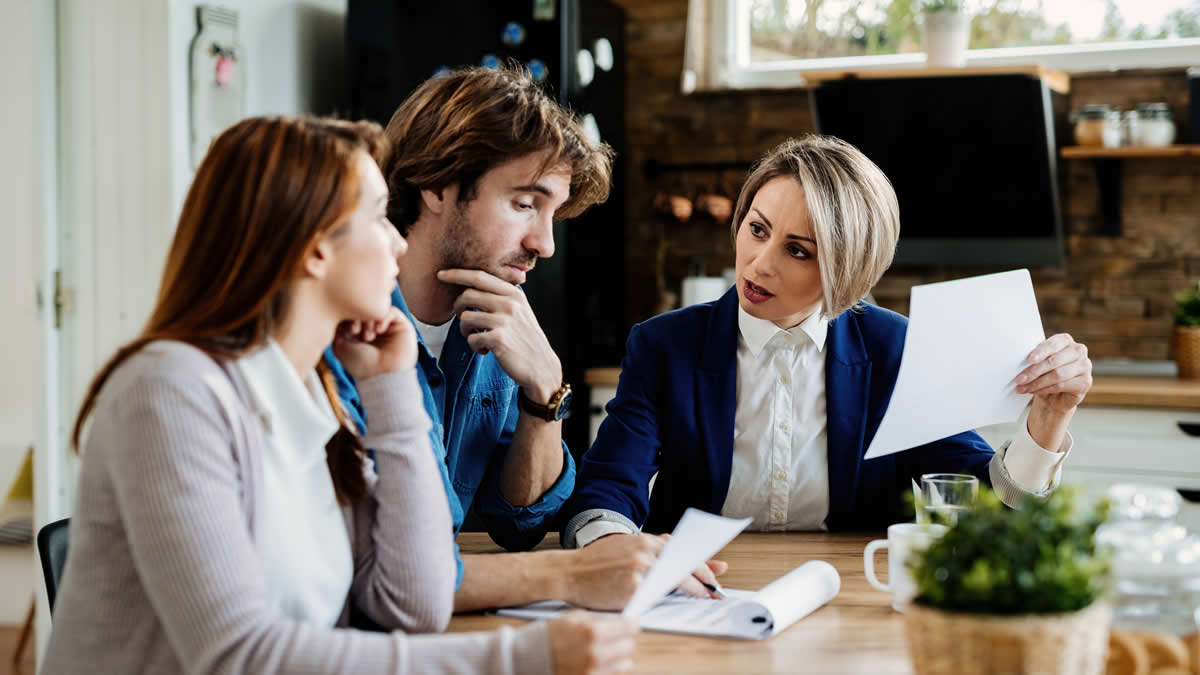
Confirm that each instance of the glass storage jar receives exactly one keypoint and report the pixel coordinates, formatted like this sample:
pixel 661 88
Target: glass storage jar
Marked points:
pixel 1089 123
pixel 1110 133
pixel 1155 127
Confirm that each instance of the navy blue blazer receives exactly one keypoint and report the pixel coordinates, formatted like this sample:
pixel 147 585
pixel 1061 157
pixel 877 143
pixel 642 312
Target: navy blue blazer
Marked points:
pixel 674 408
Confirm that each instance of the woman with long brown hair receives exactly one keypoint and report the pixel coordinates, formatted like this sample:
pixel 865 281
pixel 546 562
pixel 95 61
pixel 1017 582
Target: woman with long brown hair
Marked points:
pixel 228 519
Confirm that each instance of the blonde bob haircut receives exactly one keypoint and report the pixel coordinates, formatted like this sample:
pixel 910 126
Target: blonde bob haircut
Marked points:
pixel 852 208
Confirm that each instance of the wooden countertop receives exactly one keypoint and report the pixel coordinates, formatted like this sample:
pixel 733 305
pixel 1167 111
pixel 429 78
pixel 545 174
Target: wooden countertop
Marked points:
pixel 856 633
pixel 1107 390
pixel 1146 391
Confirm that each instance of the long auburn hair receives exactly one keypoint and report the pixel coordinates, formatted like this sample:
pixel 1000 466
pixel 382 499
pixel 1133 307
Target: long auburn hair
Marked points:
pixel 266 190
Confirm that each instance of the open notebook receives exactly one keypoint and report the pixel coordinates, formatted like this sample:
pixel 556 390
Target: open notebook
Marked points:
pixel 742 614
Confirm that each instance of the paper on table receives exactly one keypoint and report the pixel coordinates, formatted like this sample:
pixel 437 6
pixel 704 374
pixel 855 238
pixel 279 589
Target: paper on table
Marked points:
pixel 966 342
pixel 743 614
pixel 697 537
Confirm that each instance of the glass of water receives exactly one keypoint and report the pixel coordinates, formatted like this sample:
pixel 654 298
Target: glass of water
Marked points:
pixel 945 495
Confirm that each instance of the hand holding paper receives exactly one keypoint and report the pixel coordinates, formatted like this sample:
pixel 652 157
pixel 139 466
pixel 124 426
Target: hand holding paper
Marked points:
pixel 966 342
pixel 696 538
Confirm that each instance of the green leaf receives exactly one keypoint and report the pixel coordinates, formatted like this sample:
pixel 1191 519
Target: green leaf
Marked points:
pixel 996 560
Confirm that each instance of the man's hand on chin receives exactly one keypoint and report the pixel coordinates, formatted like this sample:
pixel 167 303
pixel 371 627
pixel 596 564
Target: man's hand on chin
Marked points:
pixel 496 318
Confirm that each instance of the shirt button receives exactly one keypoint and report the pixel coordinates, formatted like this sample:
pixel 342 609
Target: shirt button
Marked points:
pixel 783 426
pixel 781 475
pixel 786 379
pixel 486 402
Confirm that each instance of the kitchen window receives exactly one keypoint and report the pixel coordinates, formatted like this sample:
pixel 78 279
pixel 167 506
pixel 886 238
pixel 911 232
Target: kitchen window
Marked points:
pixel 769 43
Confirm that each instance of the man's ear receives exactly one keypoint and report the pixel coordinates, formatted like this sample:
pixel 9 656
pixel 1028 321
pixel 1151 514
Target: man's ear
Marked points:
pixel 319 258
pixel 437 200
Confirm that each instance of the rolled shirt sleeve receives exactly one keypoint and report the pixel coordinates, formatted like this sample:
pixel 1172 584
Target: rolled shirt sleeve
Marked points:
pixel 519 528
pixel 1022 467
pixel 592 524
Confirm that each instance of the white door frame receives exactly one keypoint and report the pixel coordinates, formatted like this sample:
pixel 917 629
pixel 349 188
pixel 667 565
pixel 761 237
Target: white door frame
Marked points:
pixel 47 457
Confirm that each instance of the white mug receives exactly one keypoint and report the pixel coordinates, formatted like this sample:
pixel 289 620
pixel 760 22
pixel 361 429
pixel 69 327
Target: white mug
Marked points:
pixel 903 539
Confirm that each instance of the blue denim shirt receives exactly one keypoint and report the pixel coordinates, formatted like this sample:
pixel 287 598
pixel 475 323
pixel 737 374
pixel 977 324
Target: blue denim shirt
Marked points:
pixel 473 405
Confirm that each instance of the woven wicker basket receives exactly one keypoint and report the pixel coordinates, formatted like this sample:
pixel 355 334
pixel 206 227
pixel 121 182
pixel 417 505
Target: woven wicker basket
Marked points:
pixel 1187 351
pixel 945 643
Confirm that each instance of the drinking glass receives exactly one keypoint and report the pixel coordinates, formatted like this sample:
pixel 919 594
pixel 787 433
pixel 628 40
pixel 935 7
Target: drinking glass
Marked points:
pixel 945 495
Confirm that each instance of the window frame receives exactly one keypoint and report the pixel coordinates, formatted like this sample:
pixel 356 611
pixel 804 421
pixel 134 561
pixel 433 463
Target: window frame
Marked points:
pixel 729 53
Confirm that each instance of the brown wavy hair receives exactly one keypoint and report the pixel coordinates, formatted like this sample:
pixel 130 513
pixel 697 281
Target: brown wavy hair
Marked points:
pixel 456 127
pixel 266 190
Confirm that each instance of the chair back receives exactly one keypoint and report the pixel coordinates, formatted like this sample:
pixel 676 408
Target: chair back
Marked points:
pixel 52 549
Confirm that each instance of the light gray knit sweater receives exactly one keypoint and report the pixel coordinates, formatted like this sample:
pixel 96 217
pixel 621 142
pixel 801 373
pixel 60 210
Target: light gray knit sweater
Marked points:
pixel 162 571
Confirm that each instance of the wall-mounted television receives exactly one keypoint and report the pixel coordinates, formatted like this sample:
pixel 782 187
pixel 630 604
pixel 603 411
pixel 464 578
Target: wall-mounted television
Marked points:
pixel 972 158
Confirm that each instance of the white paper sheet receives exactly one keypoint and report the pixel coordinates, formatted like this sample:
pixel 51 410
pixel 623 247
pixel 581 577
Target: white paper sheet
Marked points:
pixel 742 614
pixel 697 537
pixel 967 341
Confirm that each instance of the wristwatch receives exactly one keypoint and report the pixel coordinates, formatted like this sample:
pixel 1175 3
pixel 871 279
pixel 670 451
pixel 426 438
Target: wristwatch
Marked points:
pixel 556 409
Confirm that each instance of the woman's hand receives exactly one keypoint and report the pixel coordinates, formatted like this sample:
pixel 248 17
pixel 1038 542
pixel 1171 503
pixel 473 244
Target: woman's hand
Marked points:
pixel 370 348
pixel 1059 373
pixel 1059 376
pixel 584 644
pixel 604 574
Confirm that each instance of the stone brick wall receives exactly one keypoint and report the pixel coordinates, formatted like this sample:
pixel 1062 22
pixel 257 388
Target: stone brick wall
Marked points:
pixel 1114 294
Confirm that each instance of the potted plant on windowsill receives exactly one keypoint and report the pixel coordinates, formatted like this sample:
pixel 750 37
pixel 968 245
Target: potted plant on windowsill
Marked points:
pixel 1013 591
pixel 945 29
pixel 1187 333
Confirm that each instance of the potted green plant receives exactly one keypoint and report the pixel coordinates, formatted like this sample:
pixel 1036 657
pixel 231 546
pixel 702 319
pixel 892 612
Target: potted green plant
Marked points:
pixel 1187 333
pixel 1013 591
pixel 945 29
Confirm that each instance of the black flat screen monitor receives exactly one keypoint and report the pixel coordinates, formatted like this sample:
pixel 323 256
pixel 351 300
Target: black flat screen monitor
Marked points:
pixel 972 159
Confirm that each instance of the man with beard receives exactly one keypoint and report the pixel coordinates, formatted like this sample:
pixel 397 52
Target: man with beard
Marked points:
pixel 483 163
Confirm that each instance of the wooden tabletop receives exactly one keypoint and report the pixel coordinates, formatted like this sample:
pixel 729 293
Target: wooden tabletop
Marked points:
pixel 1145 391
pixel 856 633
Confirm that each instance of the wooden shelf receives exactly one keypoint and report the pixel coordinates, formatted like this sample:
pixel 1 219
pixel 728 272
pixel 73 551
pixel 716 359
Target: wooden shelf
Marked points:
pixel 1057 80
pixel 1092 152
pixel 1107 162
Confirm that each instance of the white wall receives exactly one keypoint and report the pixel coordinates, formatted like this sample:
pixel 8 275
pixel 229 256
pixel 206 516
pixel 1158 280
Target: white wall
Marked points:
pixel 124 126
pixel 27 190
pixel 294 55
pixel 20 192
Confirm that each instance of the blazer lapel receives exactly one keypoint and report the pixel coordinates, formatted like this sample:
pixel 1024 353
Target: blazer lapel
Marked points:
pixel 847 391
pixel 716 396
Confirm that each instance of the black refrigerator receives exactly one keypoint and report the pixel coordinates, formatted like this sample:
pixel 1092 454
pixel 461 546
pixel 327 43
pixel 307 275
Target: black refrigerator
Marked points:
pixel 577 47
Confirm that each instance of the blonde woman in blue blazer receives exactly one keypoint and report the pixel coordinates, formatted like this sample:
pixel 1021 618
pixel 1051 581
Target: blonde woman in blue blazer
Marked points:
pixel 761 404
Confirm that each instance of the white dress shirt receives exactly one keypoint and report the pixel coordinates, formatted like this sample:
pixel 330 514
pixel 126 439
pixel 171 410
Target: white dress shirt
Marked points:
pixel 780 470
pixel 301 534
